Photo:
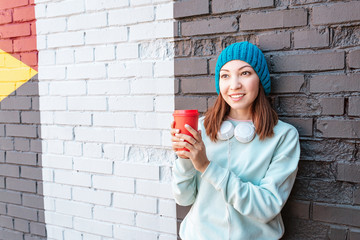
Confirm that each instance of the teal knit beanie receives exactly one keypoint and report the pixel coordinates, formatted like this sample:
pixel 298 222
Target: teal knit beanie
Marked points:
pixel 249 53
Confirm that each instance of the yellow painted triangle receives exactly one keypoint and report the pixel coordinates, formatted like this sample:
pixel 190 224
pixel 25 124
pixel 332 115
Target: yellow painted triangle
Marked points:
pixel 13 74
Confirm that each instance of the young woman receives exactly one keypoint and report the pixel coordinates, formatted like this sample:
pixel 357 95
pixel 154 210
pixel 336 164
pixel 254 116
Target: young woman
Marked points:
pixel 242 162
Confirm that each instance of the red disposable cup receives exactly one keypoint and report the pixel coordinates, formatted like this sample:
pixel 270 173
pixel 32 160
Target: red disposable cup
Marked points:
pixel 182 117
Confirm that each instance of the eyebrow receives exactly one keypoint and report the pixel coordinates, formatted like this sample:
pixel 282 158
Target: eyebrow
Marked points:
pixel 238 69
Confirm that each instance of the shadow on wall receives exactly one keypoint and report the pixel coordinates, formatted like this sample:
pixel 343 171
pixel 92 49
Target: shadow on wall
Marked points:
pixel 21 188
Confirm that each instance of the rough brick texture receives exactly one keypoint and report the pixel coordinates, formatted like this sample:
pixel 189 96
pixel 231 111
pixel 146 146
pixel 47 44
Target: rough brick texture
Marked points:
pixel 308 62
pixel 336 13
pixel 227 24
pixel 275 41
pixel 354 103
pixel 219 6
pixel 311 38
pixel 191 8
pixel 312 48
pixel 354 59
pixel 335 83
pixel 273 19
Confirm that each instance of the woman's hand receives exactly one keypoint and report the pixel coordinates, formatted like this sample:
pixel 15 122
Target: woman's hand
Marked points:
pixel 174 139
pixel 195 145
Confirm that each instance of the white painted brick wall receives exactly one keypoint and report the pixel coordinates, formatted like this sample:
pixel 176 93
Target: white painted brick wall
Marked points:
pixel 51 25
pixel 125 16
pixel 113 183
pixel 63 56
pixel 104 53
pixel 75 178
pixel 106 35
pixel 47 58
pixel 127 51
pixel 106 98
pixel 135 203
pixel 100 5
pixel 153 222
pixel 96 197
pixel 121 232
pixel 148 31
pixel 65 39
pixel 84 54
pixel 64 8
pixel 87 21
pixel 108 87
pixel 94 226
pixel 92 165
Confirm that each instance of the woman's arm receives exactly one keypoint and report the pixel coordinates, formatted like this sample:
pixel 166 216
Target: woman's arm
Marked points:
pixel 264 201
pixel 184 175
pixel 184 182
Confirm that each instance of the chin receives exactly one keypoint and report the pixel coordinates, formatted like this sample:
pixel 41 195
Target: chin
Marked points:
pixel 240 106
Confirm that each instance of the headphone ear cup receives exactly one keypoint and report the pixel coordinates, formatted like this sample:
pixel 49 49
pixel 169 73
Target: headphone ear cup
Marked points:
pixel 244 132
pixel 226 131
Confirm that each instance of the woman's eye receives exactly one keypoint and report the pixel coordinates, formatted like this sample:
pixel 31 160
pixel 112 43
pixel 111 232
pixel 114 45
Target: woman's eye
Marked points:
pixel 245 73
pixel 224 76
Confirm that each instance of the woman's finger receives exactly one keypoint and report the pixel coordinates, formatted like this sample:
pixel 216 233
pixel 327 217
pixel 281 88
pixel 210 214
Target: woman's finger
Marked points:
pixel 199 136
pixel 183 145
pixel 183 154
pixel 176 139
pixel 176 145
pixel 180 144
pixel 195 133
pixel 185 137
pixel 174 131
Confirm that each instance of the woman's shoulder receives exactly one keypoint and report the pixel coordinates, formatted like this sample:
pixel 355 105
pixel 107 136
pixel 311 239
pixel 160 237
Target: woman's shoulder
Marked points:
pixel 201 122
pixel 283 128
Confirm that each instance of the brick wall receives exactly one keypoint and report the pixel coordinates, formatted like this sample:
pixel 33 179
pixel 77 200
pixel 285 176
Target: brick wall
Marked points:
pixel 21 202
pixel 106 98
pixel 313 51
pixel 86 148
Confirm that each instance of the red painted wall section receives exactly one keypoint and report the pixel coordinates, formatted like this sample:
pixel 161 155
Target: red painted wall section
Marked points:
pixel 18 30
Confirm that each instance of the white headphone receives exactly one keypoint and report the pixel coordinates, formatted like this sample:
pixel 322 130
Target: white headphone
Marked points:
pixel 244 132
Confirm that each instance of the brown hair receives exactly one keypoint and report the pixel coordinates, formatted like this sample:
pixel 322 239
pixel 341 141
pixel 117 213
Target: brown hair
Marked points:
pixel 263 115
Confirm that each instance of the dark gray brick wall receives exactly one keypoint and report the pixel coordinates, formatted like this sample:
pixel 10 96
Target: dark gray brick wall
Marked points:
pixel 21 194
pixel 313 52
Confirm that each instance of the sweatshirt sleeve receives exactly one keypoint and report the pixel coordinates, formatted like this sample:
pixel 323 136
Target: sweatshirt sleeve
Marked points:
pixel 184 182
pixel 265 200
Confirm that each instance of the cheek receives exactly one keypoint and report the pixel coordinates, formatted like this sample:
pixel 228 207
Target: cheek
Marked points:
pixel 254 84
pixel 222 86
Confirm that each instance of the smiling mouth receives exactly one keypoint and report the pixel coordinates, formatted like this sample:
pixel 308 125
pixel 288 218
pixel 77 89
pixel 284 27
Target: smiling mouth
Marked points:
pixel 237 96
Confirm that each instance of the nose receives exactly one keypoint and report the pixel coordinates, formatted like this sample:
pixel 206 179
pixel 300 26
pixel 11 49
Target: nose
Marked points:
pixel 235 83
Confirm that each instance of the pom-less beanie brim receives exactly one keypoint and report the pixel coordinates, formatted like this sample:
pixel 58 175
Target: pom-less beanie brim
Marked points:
pixel 249 53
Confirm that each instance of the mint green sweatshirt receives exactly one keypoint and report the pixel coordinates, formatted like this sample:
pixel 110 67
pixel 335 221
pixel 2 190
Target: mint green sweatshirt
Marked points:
pixel 241 193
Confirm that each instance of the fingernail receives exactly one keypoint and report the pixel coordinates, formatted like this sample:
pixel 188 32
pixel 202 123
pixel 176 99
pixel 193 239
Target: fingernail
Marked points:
pixel 181 139
pixel 176 135
pixel 177 130
pixel 187 125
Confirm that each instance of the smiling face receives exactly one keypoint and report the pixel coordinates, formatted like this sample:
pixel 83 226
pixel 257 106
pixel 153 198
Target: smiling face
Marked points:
pixel 239 86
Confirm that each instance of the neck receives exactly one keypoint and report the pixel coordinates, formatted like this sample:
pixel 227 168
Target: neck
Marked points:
pixel 240 114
